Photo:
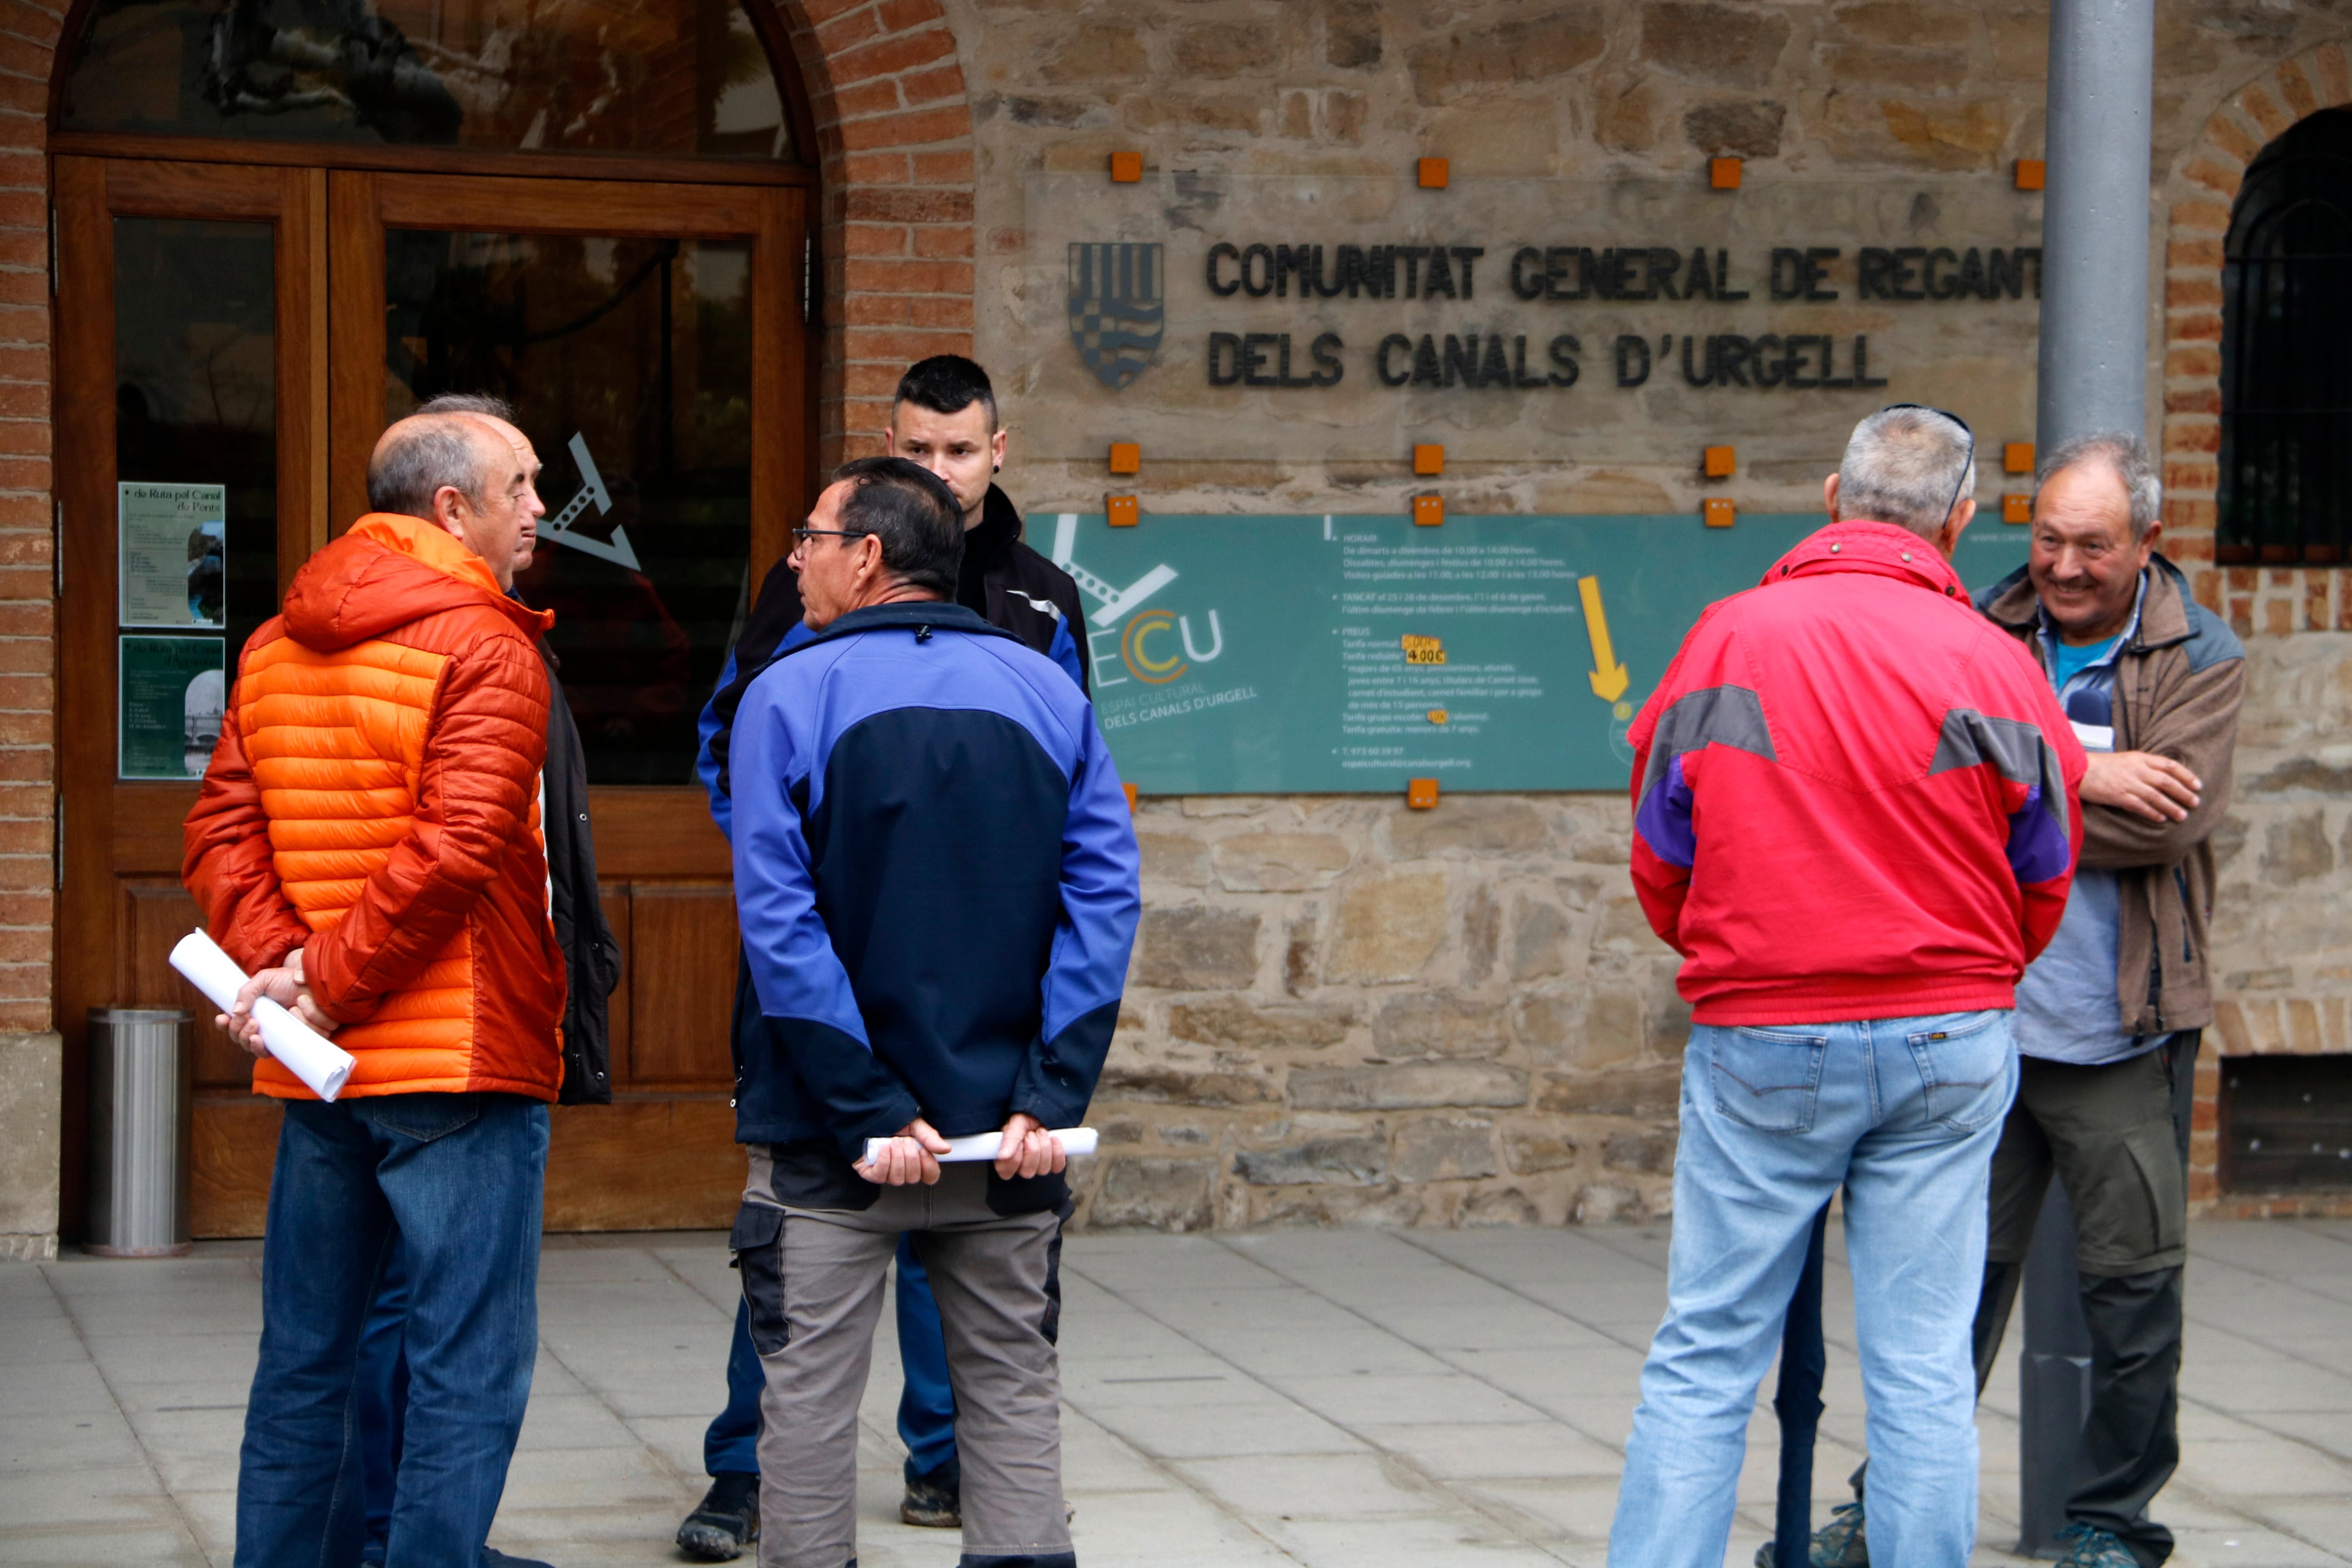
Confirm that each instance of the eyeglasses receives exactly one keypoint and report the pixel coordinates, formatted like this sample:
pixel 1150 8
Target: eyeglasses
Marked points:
pixel 1960 482
pixel 802 535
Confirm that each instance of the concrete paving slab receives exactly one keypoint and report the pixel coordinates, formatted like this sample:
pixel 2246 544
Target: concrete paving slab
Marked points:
pixel 1354 1398
pixel 78 1548
pixel 1353 1401
pixel 1470 1450
pixel 1314 1486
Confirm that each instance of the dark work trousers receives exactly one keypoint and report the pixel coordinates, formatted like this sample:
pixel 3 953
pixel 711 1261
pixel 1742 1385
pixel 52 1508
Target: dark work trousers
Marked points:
pixel 2117 1136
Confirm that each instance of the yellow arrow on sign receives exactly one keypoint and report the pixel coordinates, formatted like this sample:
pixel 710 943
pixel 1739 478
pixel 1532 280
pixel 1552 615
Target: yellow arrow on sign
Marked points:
pixel 1609 676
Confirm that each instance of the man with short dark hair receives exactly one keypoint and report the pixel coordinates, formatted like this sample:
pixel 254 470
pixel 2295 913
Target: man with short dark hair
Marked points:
pixel 1853 817
pixel 922 972
pixel 367 844
pixel 945 418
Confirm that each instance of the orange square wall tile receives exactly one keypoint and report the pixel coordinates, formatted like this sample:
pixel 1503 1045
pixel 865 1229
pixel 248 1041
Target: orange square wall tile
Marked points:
pixel 1717 512
pixel 1433 171
pixel 1126 168
pixel 1122 512
pixel 1420 794
pixel 1126 457
pixel 1717 462
pixel 2017 457
pixel 1428 511
pixel 1428 461
pixel 2033 173
pixel 1722 174
pixel 2017 509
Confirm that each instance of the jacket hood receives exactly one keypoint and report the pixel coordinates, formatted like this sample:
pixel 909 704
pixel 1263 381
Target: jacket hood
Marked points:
pixel 2164 611
pixel 387 571
pixel 1878 549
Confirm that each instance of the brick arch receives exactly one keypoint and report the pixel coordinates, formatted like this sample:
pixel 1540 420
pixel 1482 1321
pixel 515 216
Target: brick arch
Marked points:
pixel 893 126
pixel 2270 600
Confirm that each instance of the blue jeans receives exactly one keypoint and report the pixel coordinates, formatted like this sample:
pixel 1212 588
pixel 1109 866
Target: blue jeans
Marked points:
pixel 382 1400
pixel 926 1406
pixel 1905 1113
pixel 458 1180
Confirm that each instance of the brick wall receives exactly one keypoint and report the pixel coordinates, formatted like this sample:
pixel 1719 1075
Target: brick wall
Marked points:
pixel 894 132
pixel 28 35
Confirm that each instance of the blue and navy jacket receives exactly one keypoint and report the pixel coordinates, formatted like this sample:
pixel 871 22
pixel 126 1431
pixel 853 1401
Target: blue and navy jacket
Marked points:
pixel 936 876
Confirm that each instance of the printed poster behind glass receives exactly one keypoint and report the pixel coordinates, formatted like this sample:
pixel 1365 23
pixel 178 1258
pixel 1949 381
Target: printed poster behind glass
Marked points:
pixel 174 690
pixel 174 549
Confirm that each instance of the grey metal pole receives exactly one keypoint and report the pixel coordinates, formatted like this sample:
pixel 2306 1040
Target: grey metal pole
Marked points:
pixel 2094 377
pixel 2093 359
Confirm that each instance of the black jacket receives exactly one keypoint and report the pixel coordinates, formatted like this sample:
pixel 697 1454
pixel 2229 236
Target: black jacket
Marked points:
pixel 1008 583
pixel 592 959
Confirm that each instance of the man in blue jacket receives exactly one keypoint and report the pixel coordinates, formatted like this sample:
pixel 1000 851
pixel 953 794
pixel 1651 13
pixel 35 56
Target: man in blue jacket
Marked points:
pixel 936 878
pixel 944 417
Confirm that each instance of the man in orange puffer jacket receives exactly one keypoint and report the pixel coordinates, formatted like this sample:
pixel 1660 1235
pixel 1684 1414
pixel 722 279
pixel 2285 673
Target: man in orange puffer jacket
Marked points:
pixel 367 844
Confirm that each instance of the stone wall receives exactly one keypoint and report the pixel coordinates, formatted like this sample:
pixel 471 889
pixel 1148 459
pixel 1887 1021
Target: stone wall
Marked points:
pixel 1345 1011
pixel 1342 1011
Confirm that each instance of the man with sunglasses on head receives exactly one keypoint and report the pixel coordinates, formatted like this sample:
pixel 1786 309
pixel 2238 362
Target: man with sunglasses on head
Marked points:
pixel 1854 817
pixel 2110 1016
pixel 944 417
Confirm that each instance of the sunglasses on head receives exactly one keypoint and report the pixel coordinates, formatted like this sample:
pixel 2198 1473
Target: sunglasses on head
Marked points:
pixel 1958 483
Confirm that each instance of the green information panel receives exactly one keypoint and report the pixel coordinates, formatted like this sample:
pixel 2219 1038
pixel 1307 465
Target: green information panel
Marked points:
pixel 169 702
pixel 1316 655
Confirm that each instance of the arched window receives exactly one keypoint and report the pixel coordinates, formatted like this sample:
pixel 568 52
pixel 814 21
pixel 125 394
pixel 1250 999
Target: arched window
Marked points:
pixel 2287 382
pixel 680 78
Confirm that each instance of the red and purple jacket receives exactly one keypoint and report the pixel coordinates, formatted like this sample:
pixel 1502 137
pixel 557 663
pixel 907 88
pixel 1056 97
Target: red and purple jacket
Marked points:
pixel 1854 796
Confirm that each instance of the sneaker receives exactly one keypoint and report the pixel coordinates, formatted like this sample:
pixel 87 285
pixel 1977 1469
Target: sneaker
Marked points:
pixel 494 1558
pixel 935 1500
pixel 725 1521
pixel 2088 1546
pixel 1839 1544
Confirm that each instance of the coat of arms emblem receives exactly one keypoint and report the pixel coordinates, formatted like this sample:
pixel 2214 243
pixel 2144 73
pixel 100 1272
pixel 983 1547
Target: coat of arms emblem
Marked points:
pixel 1115 308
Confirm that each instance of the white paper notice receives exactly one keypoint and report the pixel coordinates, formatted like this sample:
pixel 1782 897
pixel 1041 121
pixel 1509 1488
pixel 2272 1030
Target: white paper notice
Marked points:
pixel 171 544
pixel 1074 1141
pixel 307 1053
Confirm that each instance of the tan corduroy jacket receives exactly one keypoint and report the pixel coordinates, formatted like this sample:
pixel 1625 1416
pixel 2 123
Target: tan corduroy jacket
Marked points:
pixel 2178 683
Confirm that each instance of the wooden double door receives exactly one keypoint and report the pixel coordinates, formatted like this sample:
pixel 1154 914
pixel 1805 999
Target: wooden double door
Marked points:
pixel 231 341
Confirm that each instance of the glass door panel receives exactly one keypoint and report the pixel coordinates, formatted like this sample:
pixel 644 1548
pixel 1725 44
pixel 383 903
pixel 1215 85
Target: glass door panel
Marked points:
pixel 195 451
pixel 628 361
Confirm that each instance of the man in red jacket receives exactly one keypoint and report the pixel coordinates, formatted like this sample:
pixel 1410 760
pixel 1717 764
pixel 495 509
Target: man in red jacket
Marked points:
pixel 1854 817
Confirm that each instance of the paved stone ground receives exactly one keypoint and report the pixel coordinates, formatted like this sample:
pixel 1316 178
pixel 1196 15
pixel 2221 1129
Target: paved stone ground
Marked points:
pixel 1351 1398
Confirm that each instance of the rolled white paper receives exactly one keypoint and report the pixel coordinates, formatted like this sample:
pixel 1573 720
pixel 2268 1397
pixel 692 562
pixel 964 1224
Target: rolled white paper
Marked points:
pixel 306 1053
pixel 1075 1141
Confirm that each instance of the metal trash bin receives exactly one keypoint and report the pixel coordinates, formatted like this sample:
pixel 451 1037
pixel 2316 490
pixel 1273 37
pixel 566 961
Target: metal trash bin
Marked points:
pixel 141 1100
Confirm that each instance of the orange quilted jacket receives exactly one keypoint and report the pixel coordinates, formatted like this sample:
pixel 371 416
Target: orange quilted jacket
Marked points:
pixel 374 800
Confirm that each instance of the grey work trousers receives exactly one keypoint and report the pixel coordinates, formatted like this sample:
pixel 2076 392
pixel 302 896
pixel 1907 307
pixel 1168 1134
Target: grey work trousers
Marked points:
pixel 814 1281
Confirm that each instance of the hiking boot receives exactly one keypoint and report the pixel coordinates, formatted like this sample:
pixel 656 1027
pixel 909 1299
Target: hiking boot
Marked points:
pixel 725 1521
pixel 1839 1544
pixel 2088 1546
pixel 934 1500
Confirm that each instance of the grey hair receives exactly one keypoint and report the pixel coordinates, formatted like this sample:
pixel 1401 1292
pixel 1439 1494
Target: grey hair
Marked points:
pixel 2125 456
pixel 483 403
pixel 437 450
pixel 1898 468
